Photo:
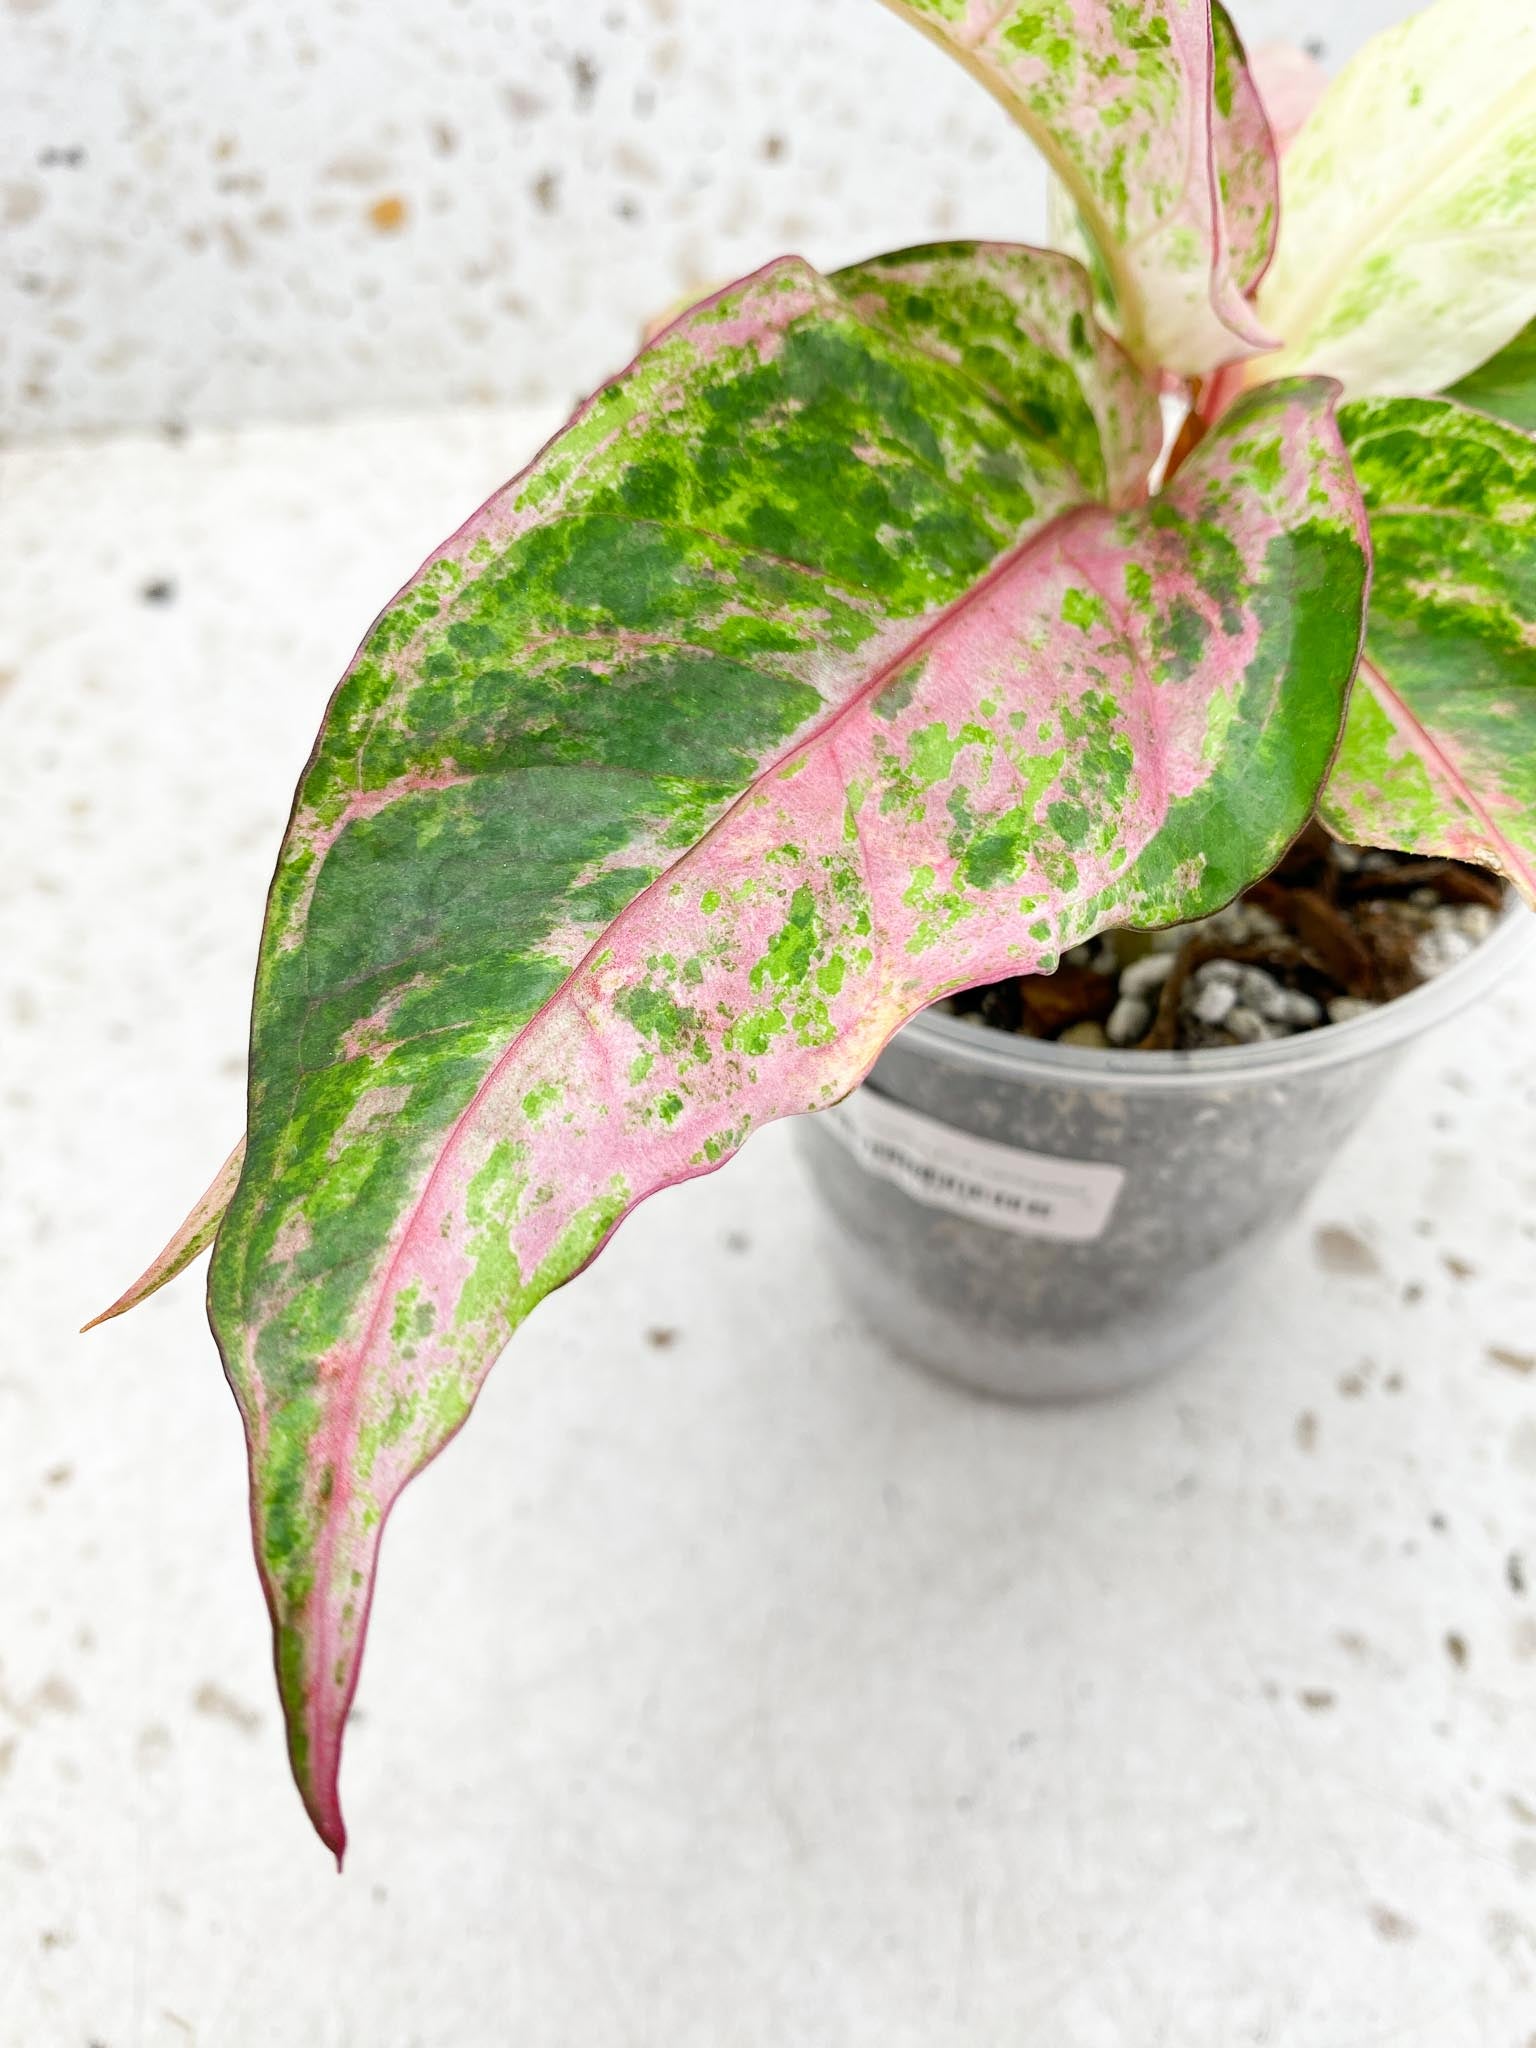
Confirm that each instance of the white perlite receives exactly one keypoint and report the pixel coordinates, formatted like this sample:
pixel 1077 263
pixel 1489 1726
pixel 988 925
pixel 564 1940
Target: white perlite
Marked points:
pixel 1238 1002
pixel 1344 1009
pixel 1248 1027
pixel 1450 934
pixel 1438 948
pixel 1144 977
pixel 1129 1021
pixel 1247 1003
pixel 1211 998
pixel 1295 1008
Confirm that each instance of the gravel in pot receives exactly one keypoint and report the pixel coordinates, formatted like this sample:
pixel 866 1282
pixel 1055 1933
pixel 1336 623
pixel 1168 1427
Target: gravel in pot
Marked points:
pixel 1335 932
pixel 1057 1186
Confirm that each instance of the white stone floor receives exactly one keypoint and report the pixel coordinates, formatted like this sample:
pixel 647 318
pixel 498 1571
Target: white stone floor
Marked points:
pixel 740 1688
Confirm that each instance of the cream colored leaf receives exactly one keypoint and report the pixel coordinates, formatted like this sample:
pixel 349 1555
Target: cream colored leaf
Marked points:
pixel 1408 206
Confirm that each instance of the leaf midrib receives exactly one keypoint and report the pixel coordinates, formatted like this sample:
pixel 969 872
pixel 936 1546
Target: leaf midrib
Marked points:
pixel 899 659
pixel 1450 773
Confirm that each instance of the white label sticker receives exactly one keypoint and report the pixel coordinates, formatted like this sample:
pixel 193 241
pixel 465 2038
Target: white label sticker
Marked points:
pixel 1030 1193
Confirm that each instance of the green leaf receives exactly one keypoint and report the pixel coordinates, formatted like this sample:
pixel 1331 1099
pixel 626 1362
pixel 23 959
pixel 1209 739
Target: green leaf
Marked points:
pixel 795 684
pixel 722 551
pixel 1408 241
pixel 1145 111
pixel 1439 751
pixel 1506 384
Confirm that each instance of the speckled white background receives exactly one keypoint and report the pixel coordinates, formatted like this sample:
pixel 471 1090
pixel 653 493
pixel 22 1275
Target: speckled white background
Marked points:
pixel 216 209
pixel 733 1688
pixel 728 1685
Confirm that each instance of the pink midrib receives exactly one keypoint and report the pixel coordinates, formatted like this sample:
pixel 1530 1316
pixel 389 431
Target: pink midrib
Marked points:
pixel 337 1432
pixel 1408 723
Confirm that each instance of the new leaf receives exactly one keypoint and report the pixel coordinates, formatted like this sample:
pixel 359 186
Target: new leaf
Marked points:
pixel 1147 116
pixel 1408 246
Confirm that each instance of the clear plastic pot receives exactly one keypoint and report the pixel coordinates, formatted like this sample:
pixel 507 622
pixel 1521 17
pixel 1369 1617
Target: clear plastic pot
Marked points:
pixel 1115 1201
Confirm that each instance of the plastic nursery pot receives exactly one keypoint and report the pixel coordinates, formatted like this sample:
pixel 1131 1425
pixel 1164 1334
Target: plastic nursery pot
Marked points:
pixel 1050 1222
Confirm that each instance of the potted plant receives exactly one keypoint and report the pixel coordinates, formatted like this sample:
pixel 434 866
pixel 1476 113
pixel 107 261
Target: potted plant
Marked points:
pixel 862 643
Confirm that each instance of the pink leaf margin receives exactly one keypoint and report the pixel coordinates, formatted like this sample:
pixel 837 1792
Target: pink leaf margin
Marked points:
pixel 192 1237
pixel 436 1254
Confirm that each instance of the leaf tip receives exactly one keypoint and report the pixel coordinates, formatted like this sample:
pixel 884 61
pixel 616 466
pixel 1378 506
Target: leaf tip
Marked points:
pixel 123 1303
pixel 315 1729
pixel 323 1805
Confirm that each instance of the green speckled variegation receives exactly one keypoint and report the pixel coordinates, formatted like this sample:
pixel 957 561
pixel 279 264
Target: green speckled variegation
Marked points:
pixel 1407 250
pixel 798 682
pixel 1244 158
pixel 1020 324
pixel 1150 121
pixel 833 657
pixel 1439 752
pixel 779 498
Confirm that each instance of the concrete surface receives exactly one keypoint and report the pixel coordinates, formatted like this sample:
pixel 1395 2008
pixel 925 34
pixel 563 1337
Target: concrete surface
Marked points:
pixel 728 1685
pixel 219 209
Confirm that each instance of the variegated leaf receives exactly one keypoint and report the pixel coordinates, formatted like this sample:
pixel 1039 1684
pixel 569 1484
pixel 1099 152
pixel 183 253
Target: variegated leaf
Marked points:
pixel 1155 133
pixel 1408 241
pixel 785 491
pixel 1439 751
pixel 1017 322
pixel 1289 84
pixel 1506 384
pixel 190 1240
pixel 527 962
pixel 1244 155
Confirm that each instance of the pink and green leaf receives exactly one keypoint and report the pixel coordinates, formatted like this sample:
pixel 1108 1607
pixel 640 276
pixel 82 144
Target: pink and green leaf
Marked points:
pixel 191 1239
pixel 1146 114
pixel 1021 325
pixel 798 682
pixel 1244 159
pixel 1439 750
pixel 1289 84
pixel 706 566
